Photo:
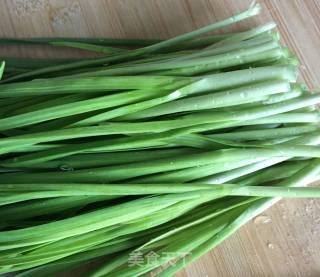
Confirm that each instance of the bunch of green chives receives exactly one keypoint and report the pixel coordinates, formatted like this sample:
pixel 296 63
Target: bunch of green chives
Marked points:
pixel 155 147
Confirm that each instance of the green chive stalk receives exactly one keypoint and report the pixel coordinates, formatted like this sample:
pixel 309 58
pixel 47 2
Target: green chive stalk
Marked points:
pixel 154 146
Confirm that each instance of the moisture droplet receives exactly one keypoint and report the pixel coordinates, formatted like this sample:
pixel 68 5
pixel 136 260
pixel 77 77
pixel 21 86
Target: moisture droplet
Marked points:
pixel 262 219
pixel 270 245
pixel 307 208
pixel 66 167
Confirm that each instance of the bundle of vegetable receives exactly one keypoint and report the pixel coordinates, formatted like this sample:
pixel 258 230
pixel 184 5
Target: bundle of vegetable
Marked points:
pixel 163 149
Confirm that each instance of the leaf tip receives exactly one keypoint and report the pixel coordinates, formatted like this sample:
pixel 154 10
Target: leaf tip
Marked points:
pixel 254 8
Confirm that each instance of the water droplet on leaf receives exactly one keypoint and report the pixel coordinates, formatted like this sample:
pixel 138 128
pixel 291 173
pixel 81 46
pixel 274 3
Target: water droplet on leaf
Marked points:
pixel 66 167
